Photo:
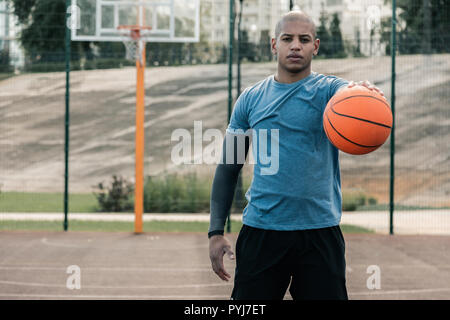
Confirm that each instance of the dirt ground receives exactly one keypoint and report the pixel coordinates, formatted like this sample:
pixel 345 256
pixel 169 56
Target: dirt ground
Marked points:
pixel 170 266
pixel 102 124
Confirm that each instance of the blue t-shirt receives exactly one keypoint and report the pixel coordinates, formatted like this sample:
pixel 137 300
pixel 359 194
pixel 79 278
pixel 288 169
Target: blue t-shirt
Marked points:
pixel 296 182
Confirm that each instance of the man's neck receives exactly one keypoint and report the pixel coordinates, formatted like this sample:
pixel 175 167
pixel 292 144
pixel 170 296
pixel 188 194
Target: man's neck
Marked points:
pixel 284 76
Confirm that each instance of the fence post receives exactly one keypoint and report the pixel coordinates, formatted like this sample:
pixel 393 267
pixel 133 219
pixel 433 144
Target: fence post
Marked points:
pixel 230 81
pixel 393 49
pixel 66 123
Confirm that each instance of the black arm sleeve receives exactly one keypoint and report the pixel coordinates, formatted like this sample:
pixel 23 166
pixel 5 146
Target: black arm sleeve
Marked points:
pixel 225 179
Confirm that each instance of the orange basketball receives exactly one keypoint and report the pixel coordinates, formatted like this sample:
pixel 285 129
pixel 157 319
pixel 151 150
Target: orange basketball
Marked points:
pixel 357 120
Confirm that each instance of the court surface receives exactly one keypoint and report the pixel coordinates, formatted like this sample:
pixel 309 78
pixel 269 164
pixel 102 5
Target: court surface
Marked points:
pixel 176 266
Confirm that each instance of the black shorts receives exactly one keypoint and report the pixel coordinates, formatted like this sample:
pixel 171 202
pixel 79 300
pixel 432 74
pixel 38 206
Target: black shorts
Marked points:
pixel 311 261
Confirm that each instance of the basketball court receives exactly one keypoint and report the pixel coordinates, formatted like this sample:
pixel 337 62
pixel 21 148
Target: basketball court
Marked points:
pixel 165 266
pixel 176 266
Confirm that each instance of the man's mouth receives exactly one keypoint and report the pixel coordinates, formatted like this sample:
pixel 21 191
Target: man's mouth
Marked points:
pixel 294 57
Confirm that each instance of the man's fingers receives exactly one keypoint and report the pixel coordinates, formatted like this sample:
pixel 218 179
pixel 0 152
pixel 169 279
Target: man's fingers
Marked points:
pixel 225 276
pixel 368 85
pixel 229 253
pixel 378 90
pixel 218 266
pixel 219 269
pixel 375 88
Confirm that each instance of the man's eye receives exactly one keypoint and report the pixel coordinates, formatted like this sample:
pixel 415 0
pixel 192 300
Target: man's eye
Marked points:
pixel 286 39
pixel 304 40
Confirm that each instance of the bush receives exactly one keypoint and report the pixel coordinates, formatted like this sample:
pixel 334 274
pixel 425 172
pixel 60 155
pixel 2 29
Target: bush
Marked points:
pixel 174 193
pixel 115 198
pixel 107 63
pixel 351 200
pixel 372 201
pixel 51 66
pixel 5 65
pixel 166 193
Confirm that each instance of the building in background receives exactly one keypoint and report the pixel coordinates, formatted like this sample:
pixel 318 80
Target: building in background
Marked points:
pixel 360 19
pixel 9 31
pixel 259 18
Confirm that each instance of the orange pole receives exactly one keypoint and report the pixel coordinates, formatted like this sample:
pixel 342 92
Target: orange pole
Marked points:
pixel 140 107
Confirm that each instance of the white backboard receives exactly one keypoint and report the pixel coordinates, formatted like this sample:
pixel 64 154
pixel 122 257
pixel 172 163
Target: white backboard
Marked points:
pixel 170 20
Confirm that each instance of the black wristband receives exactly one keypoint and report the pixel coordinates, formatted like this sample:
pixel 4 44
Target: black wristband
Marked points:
pixel 214 233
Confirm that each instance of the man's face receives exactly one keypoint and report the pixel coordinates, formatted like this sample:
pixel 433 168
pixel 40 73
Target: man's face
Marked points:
pixel 295 46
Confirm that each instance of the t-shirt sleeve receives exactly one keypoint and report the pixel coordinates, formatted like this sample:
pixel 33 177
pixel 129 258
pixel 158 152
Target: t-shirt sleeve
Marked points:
pixel 239 117
pixel 336 84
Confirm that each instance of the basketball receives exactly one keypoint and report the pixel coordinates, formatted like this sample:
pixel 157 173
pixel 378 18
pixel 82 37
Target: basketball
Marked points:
pixel 357 120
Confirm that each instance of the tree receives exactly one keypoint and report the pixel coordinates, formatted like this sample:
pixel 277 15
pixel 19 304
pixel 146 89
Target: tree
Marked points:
pixel 357 47
pixel 264 46
pixel 247 48
pixel 43 29
pixel 323 34
pixel 337 45
pixel 5 65
pixel 422 25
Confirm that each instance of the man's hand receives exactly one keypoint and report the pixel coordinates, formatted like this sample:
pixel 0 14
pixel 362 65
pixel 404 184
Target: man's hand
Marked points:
pixel 366 84
pixel 218 246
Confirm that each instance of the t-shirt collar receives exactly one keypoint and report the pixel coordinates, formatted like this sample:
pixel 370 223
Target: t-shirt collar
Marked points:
pixel 293 84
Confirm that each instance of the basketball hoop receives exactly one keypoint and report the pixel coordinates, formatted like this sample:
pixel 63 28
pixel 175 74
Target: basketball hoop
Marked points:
pixel 131 38
pixel 126 22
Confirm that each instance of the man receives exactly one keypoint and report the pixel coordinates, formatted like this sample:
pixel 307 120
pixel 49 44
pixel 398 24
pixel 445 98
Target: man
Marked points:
pixel 290 234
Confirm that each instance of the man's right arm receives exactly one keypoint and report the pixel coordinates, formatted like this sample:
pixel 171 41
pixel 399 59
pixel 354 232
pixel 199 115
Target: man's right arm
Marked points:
pixel 222 195
pixel 225 180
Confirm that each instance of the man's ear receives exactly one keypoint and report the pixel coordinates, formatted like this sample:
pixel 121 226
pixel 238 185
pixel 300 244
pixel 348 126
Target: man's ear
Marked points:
pixel 273 46
pixel 316 46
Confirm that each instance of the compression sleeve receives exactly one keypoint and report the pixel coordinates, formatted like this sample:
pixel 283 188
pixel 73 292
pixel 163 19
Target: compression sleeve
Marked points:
pixel 225 179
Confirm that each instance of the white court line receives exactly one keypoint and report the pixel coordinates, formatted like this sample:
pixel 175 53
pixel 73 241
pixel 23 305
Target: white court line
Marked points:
pixel 88 245
pixel 183 297
pixel 58 265
pixel 34 284
pixel 412 291
pixel 59 296
pixel 45 241
pixel 161 269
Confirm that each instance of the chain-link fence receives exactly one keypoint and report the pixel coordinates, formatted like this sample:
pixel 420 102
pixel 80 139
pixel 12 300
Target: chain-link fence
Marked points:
pixel 186 88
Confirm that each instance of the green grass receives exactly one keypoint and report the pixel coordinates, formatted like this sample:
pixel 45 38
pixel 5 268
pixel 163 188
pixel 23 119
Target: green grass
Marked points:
pixel 45 202
pixel 349 228
pixel 110 226
pixel 113 226
pixel 86 202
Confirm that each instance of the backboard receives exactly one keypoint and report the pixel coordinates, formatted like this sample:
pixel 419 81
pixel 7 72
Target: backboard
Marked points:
pixel 170 20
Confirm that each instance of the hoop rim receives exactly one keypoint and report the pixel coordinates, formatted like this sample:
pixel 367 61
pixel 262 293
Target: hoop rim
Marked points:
pixel 133 27
pixel 133 31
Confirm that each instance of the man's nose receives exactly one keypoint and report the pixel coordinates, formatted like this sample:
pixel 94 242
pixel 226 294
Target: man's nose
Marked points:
pixel 296 44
